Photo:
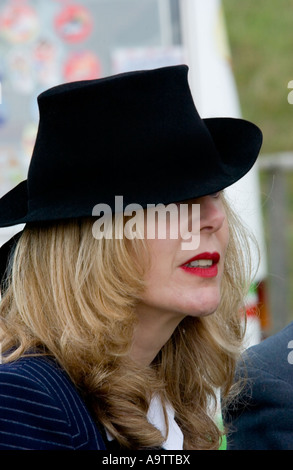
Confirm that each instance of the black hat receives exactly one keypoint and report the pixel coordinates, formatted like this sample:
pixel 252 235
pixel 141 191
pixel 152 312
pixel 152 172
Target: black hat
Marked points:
pixel 136 134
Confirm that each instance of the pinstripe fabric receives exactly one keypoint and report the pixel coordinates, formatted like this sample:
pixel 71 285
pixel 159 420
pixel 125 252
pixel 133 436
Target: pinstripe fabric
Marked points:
pixel 40 409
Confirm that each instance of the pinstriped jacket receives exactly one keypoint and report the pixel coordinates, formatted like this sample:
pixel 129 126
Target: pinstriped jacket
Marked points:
pixel 40 409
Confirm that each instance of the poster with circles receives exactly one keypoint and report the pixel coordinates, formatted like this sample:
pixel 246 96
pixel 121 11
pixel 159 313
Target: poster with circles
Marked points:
pixel 42 44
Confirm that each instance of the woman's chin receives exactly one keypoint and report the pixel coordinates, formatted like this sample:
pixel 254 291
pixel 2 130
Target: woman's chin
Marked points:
pixel 203 307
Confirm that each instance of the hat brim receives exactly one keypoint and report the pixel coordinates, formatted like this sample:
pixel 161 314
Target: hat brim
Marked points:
pixel 238 143
pixel 13 206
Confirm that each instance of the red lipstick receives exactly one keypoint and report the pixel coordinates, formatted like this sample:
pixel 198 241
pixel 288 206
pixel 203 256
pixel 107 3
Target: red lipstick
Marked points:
pixel 202 265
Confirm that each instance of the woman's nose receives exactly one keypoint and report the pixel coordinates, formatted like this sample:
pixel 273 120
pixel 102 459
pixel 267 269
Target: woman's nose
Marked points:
pixel 212 213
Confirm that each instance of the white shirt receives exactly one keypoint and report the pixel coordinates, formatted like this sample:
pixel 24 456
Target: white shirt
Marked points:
pixel 174 440
pixel 155 416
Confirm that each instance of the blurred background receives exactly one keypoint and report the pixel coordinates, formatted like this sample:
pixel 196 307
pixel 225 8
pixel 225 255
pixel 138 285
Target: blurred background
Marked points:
pixel 261 41
pixel 240 60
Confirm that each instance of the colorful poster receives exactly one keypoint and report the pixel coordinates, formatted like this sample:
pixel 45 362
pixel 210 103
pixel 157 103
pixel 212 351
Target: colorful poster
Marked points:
pixel 83 65
pixel 10 168
pixel 3 113
pixel 136 58
pixel 18 22
pixel 45 60
pixel 29 134
pixel 20 71
pixel 74 23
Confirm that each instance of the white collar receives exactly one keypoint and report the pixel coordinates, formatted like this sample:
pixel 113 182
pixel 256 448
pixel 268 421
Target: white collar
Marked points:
pixel 155 416
pixel 174 440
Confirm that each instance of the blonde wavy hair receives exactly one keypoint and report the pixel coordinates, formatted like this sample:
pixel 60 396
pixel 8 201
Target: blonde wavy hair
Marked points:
pixel 72 296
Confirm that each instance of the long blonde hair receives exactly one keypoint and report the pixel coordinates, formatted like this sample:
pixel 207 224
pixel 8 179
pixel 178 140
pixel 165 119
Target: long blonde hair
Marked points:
pixel 74 297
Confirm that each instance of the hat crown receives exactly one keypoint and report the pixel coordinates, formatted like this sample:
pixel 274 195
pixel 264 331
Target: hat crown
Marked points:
pixel 136 124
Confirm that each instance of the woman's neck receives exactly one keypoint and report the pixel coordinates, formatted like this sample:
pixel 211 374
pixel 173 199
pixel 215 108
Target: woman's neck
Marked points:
pixel 153 330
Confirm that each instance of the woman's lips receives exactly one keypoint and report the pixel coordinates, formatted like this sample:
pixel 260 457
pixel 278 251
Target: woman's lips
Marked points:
pixel 202 265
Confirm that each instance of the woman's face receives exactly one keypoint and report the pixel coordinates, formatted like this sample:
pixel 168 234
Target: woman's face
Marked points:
pixel 188 282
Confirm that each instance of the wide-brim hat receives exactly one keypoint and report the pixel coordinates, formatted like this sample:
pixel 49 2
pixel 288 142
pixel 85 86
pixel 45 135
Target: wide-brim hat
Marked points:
pixel 137 135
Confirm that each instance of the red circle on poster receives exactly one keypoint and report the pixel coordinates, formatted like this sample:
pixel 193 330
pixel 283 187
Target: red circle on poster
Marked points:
pixel 74 23
pixel 82 66
pixel 18 23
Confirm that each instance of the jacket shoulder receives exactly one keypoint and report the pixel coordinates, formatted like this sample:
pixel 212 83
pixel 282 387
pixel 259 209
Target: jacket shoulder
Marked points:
pixel 41 409
pixel 273 355
pixel 262 415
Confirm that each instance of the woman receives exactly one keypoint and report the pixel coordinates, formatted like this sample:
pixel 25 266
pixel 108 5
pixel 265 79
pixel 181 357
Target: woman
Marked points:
pixel 116 341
